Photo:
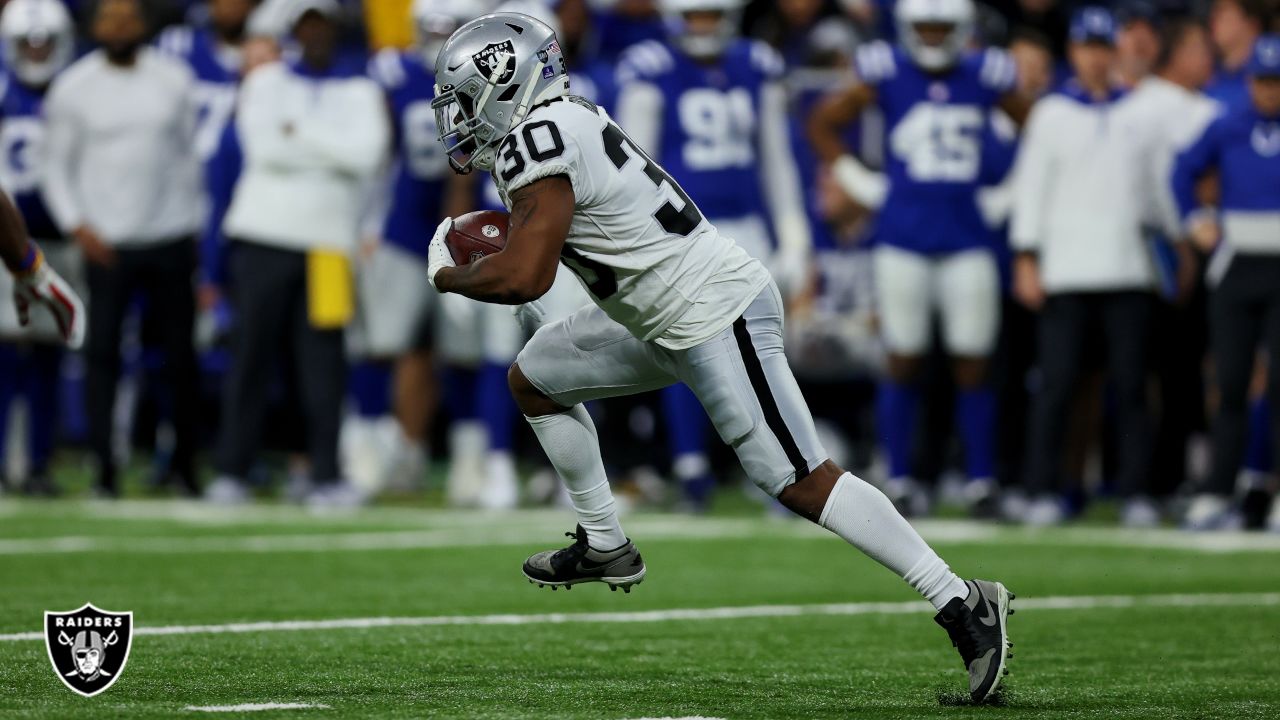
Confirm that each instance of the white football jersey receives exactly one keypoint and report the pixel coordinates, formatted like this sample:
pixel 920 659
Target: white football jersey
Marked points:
pixel 639 245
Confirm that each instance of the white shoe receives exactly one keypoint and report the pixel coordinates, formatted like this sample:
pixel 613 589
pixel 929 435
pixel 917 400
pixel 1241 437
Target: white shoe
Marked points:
pixel 1044 511
pixel 1210 512
pixel 226 490
pixel 407 469
pixel 501 486
pixel 907 496
pixel 465 482
pixel 341 495
pixel 1014 505
pixel 1140 512
pixel 1273 518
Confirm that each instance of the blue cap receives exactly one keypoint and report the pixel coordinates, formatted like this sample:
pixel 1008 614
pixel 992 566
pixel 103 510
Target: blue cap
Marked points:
pixel 1265 60
pixel 1093 24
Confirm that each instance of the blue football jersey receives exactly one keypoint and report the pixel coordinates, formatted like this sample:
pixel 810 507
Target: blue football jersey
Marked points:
pixel 217 71
pixel 935 135
pixel 420 163
pixel 710 121
pixel 21 139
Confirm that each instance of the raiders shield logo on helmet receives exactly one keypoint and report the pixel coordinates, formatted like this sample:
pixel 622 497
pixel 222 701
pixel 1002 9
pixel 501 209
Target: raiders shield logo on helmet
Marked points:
pixel 88 647
pixel 492 57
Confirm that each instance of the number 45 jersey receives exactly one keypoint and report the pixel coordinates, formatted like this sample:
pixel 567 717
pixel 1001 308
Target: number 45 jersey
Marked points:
pixel 640 246
pixel 935 127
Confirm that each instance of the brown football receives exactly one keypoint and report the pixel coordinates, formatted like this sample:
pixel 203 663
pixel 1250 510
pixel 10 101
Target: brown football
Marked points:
pixel 476 235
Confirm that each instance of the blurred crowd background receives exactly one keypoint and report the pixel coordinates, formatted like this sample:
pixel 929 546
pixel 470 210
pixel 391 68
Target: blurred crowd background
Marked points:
pixel 244 190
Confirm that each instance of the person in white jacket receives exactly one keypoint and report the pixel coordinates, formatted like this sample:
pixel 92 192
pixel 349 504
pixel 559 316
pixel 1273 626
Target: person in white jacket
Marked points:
pixel 1081 203
pixel 314 132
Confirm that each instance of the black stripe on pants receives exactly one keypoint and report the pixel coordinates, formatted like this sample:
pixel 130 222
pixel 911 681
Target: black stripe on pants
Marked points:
pixel 760 384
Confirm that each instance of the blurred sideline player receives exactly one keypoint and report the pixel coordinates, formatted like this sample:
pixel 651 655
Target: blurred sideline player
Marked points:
pixel 934 253
pixel 39 42
pixel 215 56
pixel 711 109
pixel 397 314
pixel 483 341
pixel 674 301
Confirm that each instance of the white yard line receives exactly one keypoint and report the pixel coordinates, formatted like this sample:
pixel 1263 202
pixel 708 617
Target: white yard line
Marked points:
pixel 478 530
pixel 1067 602
pixel 254 707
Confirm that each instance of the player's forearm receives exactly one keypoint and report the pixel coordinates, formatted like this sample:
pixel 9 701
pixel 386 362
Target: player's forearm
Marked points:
pixel 823 130
pixel 492 279
pixel 14 247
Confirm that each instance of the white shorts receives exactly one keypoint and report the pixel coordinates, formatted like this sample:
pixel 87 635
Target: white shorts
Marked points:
pixel 396 303
pixel 66 260
pixel 963 287
pixel 740 376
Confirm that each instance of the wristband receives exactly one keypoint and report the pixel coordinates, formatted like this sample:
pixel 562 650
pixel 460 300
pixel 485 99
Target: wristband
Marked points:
pixel 31 261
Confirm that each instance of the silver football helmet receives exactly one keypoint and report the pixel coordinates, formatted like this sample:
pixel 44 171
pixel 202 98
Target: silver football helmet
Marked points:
pixel 489 74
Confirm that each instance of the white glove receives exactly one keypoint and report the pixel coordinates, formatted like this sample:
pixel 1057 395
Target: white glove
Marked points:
pixel 40 284
pixel 532 315
pixel 438 255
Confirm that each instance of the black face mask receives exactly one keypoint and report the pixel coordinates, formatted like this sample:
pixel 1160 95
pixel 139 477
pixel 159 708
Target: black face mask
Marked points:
pixel 122 53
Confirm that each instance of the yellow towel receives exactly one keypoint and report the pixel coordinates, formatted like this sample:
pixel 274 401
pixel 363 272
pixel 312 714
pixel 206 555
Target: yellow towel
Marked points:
pixel 330 291
pixel 389 23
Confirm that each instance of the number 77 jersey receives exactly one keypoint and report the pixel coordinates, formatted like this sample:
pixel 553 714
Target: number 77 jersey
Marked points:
pixel 639 245
pixel 935 125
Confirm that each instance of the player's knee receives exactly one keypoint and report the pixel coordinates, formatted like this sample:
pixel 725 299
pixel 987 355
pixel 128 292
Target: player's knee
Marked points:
pixel 969 372
pixel 807 496
pixel 528 398
pixel 903 368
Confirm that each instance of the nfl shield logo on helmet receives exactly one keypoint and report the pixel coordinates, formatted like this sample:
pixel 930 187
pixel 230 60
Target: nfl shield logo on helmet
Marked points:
pixel 88 647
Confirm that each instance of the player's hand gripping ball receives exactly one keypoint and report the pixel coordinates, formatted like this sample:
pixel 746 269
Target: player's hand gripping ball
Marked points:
pixel 476 235
pixel 466 239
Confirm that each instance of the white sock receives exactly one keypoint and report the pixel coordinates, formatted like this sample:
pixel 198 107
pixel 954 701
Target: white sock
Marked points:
pixel 571 443
pixel 865 518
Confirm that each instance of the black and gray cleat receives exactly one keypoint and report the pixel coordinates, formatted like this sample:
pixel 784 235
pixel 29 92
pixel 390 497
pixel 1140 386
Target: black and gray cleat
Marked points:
pixel 621 567
pixel 978 627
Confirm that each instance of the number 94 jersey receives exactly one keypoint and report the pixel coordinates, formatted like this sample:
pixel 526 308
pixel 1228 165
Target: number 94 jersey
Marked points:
pixel 640 246
pixel 935 124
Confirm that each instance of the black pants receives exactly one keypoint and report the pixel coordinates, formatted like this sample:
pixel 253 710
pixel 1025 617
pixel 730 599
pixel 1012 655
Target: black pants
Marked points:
pixel 163 273
pixel 1068 323
pixel 268 289
pixel 1244 310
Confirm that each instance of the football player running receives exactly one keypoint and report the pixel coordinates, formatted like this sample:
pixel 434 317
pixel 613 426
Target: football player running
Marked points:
pixel 935 251
pixel 674 301
pixel 710 108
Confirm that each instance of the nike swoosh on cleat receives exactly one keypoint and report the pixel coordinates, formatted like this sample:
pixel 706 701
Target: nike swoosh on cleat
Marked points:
pixel 585 565
pixel 984 613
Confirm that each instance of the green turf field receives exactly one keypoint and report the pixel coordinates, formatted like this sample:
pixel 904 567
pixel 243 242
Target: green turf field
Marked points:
pixel 781 621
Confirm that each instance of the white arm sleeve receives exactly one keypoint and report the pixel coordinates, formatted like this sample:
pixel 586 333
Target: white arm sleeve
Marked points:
pixel 61 148
pixel 866 186
pixel 781 177
pixel 1033 170
pixel 640 114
